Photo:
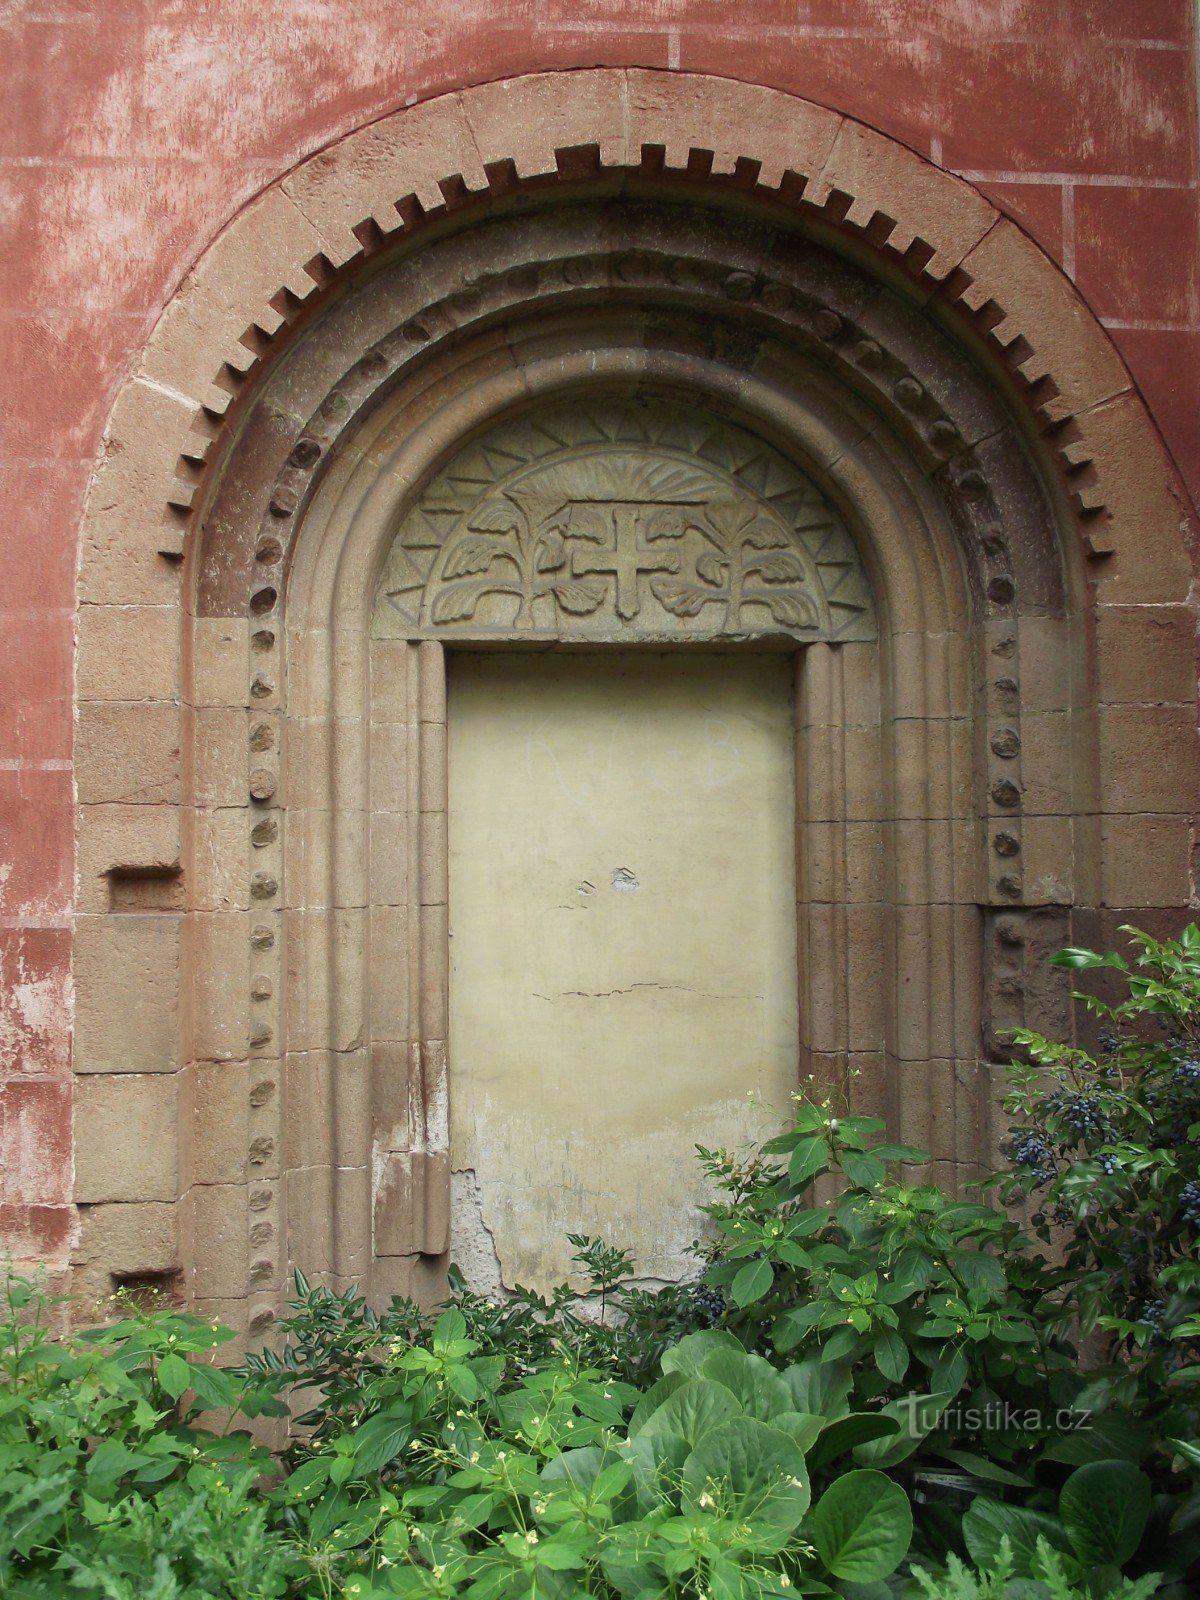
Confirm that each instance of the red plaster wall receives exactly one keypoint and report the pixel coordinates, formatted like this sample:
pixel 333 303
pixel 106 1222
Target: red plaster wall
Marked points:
pixel 131 130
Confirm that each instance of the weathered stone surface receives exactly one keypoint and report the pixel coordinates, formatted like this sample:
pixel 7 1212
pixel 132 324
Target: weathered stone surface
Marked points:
pixel 128 653
pixel 126 1138
pixel 127 753
pixel 123 963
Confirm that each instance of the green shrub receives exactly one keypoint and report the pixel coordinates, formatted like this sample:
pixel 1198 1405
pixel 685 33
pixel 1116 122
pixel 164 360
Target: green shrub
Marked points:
pixel 109 1487
pixel 1109 1143
pixel 878 1397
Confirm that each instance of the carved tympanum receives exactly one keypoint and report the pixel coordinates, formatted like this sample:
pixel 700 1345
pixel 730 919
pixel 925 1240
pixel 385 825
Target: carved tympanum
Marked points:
pixel 622 519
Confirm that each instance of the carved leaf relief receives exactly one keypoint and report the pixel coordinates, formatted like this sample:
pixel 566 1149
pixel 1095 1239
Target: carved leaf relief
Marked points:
pixel 618 520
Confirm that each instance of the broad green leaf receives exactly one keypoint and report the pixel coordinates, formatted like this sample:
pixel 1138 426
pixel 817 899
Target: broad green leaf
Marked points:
pixel 755 1383
pixel 900 1152
pixel 173 1375
pixel 979 1272
pixel 1074 956
pixel 694 1409
pixel 653 1398
pixel 753 1473
pixel 841 1344
pixel 657 1460
pixel 840 1436
pixel 808 1118
pixel 752 1282
pixel 986 1522
pixel 983 1467
pixel 1104 1507
pixel 578 1467
pixel 862 1527
pixel 308 1478
pixel 213 1386
pixel 818 1386
pixel 917 1415
pixel 381 1439
pixel 865 1171
pixel 808 1157
pixel 1109 1436
pixel 801 1427
pixel 795 1325
pixel 689 1355
pixel 950 1371
pixel 891 1355
pixel 449 1328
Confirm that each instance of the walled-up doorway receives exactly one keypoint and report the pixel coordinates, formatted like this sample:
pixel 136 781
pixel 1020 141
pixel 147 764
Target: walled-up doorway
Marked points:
pixel 718 380
pixel 622 946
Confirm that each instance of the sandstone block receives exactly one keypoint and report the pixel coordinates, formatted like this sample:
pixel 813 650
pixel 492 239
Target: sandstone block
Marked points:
pixel 1145 654
pixel 412 1214
pixel 1148 759
pixel 127 754
pixel 1146 510
pixel 135 838
pixel 262 251
pixel 1146 860
pixel 216 1134
pixel 126 1138
pixel 220 661
pixel 525 120
pixel 127 974
pixel 127 516
pixel 128 652
pixel 391 834
pixel 392 1095
pixel 1043 306
pixel 222 757
pixel 732 120
pixel 1052 783
pixel 309 1205
pixel 390 960
pixel 401 155
pixel 1046 863
pixel 218 1225
pixel 326 1108
pixel 123 1240
pixel 221 952
pixel 221 860
pixel 884 178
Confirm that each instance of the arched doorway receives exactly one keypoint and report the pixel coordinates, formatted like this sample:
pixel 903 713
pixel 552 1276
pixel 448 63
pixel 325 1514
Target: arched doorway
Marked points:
pixel 371 504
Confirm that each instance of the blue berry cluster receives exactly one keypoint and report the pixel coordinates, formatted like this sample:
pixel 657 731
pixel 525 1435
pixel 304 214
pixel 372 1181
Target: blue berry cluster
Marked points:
pixel 1110 1165
pixel 1189 1202
pixel 1031 1151
pixel 710 1306
pixel 1082 1115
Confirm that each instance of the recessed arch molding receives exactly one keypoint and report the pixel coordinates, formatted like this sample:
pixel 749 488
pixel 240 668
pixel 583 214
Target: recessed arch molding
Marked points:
pixel 551 361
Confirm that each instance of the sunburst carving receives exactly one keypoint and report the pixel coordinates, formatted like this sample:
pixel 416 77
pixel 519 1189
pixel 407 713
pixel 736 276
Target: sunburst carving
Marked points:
pixel 612 519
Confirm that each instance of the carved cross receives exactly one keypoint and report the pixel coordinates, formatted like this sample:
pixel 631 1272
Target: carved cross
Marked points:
pixel 627 558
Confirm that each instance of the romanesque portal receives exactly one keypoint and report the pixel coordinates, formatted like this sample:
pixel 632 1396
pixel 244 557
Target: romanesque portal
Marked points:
pixel 757 502
pixel 622 920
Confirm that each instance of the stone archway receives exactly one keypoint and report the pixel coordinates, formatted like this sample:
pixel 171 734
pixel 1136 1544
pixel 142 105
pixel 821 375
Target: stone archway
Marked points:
pixel 851 321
